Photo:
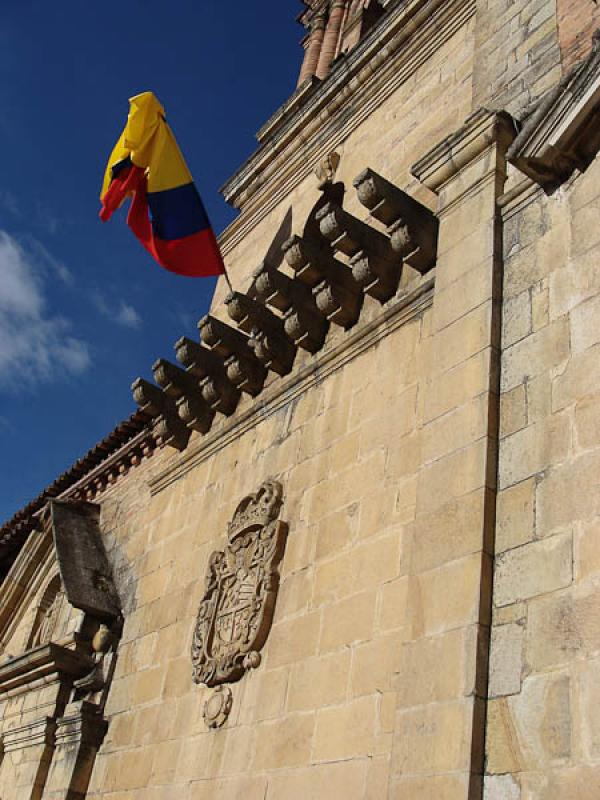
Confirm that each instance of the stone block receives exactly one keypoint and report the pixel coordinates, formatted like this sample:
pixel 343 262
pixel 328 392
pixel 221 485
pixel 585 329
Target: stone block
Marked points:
pixel 264 696
pixel 515 516
pixel 542 719
pixel 440 787
pixel 293 640
pixel 533 569
pixel 587 551
pixel 432 739
pixel 284 743
pixel 365 567
pixel 456 529
pixel 584 325
pixel 582 782
pixel 345 779
pixel 455 475
pixel 469 291
pixel 374 664
pixel 506 659
pixel 516 319
pixel 534 449
pixel 457 429
pixel 346 731
pixel 587 686
pixel 580 378
pixel 449 596
pixel 337 531
pixel 563 627
pixel 147 686
pixel 421 680
pixel 536 354
pixel 349 621
pixel 394 605
pixel 513 410
pixel 458 385
pixel 319 682
pixel 568 493
pixel 587 423
pixel 501 787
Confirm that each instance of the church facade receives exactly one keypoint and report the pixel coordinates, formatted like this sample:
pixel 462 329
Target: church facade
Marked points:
pixel 348 546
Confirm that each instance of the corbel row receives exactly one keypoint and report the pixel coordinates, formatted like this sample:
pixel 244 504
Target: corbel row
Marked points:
pixel 332 272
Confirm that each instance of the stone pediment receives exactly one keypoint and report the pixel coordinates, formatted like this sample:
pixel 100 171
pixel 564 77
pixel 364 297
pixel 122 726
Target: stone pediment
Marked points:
pixel 563 132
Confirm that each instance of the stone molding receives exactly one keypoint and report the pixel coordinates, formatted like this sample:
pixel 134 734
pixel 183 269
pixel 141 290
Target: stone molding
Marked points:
pixel 48 661
pixel 282 392
pixel 563 133
pixel 302 133
pixel 454 154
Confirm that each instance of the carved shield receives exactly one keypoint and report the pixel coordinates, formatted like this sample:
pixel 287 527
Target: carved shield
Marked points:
pixel 242 582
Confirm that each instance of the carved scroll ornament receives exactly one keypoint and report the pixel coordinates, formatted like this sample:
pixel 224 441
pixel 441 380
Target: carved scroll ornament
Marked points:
pixel 242 582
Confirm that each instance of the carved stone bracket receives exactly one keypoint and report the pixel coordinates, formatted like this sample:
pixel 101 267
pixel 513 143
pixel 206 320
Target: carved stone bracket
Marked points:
pixel 183 387
pixel 268 338
pixel 336 293
pixel 375 265
pixel 282 312
pixel 217 390
pixel 302 320
pixel 241 365
pixel 169 429
pixel 242 583
pixel 413 228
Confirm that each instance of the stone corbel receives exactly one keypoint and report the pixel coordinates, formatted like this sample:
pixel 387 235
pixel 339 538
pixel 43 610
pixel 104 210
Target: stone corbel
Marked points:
pixel 375 266
pixel 268 338
pixel 241 365
pixel 217 390
pixel 302 320
pixel 563 133
pixel 184 389
pixel 337 295
pixel 169 428
pixel 412 227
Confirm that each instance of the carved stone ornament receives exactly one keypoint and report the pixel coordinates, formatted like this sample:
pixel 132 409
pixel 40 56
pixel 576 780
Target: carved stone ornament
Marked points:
pixel 218 707
pixel 242 582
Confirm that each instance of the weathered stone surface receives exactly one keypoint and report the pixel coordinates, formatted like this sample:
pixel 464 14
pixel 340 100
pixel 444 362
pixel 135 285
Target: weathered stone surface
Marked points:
pixel 534 569
pixel 506 663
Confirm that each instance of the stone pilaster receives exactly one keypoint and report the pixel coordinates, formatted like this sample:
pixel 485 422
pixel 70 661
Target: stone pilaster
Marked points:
pixel 440 721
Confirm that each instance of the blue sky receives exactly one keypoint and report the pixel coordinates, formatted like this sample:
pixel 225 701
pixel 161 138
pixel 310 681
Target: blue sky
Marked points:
pixel 83 309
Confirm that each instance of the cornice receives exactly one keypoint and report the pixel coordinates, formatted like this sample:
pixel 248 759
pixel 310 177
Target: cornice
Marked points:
pixel 453 154
pixel 43 662
pixel 302 133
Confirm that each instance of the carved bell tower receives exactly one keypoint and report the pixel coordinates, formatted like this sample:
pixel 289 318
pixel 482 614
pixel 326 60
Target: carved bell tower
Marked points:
pixel 334 28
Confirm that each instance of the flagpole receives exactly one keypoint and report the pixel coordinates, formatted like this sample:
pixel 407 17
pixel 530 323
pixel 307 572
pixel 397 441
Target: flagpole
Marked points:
pixel 226 274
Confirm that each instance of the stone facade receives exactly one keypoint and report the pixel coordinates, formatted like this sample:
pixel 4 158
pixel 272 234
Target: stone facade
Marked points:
pixel 349 547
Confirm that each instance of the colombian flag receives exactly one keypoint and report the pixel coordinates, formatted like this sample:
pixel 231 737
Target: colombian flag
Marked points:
pixel 166 213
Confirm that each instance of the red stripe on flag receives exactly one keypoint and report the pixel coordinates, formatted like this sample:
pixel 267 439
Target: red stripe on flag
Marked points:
pixel 195 256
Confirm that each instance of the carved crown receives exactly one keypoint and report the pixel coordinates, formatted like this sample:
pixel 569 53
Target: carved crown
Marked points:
pixel 257 510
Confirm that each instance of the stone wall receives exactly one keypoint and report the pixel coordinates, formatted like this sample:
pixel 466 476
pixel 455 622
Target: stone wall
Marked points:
pixel 542 731
pixel 577 22
pixel 517 53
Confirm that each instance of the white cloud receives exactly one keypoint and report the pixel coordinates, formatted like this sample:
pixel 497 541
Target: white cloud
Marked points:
pixel 35 346
pixel 121 313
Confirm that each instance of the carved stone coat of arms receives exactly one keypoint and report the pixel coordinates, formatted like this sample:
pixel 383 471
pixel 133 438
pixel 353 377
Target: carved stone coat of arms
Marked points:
pixel 242 582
